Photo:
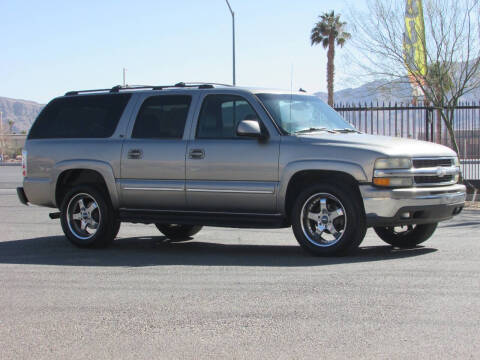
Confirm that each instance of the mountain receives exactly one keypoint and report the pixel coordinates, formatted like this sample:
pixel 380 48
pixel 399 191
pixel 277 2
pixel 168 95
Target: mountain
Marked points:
pixel 382 91
pixel 374 91
pixel 21 112
pixel 24 112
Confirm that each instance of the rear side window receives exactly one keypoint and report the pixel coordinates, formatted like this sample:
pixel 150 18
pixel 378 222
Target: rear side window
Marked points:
pixel 162 117
pixel 85 116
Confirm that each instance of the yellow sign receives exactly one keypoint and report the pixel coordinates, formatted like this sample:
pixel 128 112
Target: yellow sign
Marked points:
pixel 414 39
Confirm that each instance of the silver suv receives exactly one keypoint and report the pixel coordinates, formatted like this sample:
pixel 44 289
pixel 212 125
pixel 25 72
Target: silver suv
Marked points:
pixel 192 155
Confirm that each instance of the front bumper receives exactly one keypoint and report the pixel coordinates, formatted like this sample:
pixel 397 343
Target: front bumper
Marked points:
pixel 423 205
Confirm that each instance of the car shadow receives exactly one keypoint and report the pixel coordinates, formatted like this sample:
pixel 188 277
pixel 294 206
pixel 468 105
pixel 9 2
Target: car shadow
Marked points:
pixel 467 223
pixel 157 251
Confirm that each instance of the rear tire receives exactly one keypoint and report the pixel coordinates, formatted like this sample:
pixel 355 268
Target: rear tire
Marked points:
pixel 328 219
pixel 178 232
pixel 87 217
pixel 409 237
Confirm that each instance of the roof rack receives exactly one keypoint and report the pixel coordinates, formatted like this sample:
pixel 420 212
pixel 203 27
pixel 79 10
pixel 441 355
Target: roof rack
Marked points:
pixel 200 85
pixel 118 88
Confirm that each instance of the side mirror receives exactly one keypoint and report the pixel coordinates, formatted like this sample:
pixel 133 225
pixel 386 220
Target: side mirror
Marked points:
pixel 249 128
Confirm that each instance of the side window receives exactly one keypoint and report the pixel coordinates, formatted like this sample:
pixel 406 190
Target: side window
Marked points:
pixel 162 117
pixel 80 116
pixel 220 115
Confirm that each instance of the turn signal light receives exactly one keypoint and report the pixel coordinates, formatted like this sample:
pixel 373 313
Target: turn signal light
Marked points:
pixel 393 181
pixel 381 181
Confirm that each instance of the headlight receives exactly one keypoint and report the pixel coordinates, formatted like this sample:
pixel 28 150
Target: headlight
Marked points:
pixel 393 163
pixel 385 180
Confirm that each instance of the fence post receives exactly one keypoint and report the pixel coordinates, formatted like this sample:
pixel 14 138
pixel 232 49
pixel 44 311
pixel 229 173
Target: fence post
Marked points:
pixel 427 115
pixel 432 135
pixel 396 123
pixel 371 118
pixel 366 117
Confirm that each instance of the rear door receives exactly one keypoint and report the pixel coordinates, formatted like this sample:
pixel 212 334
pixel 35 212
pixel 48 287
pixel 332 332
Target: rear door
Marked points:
pixel 153 156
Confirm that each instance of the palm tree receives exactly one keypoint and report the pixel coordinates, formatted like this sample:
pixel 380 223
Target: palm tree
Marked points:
pixel 328 31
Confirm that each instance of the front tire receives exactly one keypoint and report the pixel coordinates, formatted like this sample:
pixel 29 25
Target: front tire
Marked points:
pixel 406 236
pixel 328 219
pixel 87 217
pixel 178 232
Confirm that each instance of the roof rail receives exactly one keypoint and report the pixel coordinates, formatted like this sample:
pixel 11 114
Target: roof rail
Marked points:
pixel 118 88
pixel 206 83
pixel 200 85
pixel 76 92
pixel 114 89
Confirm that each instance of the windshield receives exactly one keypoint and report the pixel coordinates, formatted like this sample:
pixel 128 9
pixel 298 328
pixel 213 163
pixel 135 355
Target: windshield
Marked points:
pixel 297 114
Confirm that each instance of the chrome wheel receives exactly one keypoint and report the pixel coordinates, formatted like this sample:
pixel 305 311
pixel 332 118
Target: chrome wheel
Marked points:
pixel 83 216
pixel 323 219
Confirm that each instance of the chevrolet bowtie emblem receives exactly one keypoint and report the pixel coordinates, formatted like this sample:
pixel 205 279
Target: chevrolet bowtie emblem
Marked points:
pixel 441 172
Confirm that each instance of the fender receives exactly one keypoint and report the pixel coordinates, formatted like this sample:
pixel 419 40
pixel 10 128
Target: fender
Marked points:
pixel 102 167
pixel 289 170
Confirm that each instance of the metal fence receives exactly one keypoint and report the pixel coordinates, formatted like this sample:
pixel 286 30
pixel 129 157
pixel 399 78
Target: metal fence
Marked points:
pixel 423 123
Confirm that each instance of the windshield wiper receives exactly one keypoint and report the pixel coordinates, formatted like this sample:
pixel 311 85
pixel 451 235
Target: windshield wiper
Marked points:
pixel 346 130
pixel 313 129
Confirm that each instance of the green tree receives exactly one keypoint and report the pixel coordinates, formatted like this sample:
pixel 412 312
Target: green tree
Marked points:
pixel 328 32
pixel 10 126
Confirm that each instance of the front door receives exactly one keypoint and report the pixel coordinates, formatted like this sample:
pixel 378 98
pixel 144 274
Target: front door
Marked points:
pixel 153 157
pixel 227 173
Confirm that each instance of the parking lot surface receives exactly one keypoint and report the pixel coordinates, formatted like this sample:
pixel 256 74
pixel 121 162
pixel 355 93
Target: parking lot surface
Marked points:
pixel 232 293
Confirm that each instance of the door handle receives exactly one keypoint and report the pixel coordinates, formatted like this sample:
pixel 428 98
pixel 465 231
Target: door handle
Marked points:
pixel 197 154
pixel 135 154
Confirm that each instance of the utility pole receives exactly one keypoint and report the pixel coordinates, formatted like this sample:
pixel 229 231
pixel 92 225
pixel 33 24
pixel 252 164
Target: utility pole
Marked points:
pixel 233 38
pixel 124 70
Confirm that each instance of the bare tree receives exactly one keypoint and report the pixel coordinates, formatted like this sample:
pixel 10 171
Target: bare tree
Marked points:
pixel 451 45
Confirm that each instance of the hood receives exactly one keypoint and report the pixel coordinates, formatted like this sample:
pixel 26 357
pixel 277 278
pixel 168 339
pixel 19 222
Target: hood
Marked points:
pixel 386 145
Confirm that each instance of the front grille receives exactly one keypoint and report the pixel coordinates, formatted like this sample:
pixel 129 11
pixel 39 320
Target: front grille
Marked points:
pixel 427 163
pixel 432 179
pixel 433 163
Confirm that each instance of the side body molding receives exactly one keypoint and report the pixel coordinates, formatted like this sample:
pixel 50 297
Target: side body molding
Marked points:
pixel 102 167
pixel 290 169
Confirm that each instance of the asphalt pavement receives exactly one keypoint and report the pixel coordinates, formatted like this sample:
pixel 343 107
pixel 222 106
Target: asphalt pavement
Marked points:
pixel 230 293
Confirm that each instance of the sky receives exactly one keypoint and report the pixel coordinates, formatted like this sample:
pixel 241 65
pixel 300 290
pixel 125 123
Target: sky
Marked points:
pixel 50 47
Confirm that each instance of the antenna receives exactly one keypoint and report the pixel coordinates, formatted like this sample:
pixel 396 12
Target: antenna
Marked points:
pixel 291 92
pixel 124 71
pixel 291 78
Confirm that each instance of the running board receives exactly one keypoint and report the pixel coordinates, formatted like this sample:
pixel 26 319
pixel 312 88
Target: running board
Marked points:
pixel 265 221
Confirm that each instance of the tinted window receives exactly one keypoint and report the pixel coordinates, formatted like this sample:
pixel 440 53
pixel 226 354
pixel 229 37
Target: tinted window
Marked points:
pixel 162 117
pixel 85 116
pixel 220 115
